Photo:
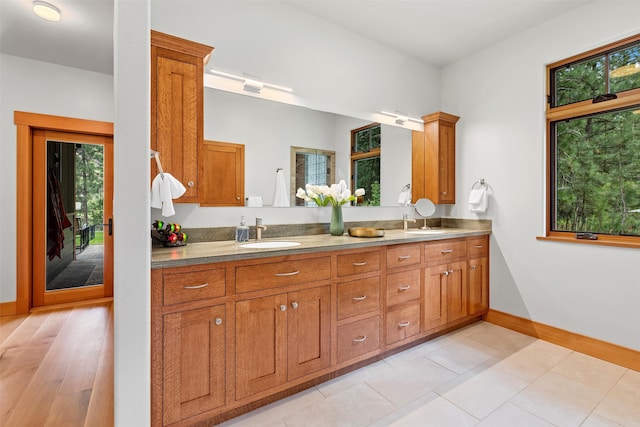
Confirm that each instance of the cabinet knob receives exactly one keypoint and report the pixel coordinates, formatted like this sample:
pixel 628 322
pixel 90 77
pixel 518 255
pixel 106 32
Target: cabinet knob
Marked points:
pixel 237 197
pixel 444 193
pixel 446 272
pixel 294 304
pixel 218 321
pixel 283 307
pixel 473 267
pixel 190 184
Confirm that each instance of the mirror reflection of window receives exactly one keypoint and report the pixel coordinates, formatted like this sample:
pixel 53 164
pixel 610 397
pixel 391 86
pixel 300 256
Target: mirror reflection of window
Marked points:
pixel 311 166
pixel 366 144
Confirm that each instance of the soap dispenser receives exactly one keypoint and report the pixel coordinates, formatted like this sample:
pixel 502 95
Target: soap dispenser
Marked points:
pixel 242 231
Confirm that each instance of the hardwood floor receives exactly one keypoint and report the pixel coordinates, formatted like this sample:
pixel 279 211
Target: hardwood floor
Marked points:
pixel 56 367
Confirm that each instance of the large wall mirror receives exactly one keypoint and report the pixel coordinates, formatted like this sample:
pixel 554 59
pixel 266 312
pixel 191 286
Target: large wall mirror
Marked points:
pixel 270 129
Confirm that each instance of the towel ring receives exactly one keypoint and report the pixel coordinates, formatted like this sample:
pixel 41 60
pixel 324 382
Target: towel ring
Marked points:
pixel 481 183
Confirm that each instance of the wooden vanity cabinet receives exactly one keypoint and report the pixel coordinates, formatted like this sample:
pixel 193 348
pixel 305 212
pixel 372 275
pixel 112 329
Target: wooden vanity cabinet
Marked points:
pixel 478 250
pixel 433 159
pixel 227 337
pixel 177 109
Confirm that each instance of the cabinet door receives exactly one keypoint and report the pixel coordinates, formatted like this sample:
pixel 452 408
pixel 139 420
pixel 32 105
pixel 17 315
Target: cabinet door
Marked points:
pixel 309 331
pixel 261 344
pixel 447 163
pixel 193 362
pixel 457 296
pixel 478 285
pixel 223 170
pixel 176 122
pixel 435 297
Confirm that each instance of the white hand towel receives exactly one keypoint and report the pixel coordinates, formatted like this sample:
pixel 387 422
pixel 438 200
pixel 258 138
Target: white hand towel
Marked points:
pixel 164 189
pixel 405 198
pixel 478 200
pixel 281 195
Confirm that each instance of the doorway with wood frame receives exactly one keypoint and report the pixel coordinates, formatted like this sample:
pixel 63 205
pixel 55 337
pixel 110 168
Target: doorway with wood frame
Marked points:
pixel 65 203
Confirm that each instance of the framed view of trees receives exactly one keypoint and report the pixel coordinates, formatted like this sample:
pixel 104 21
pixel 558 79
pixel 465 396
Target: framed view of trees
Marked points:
pixel 593 133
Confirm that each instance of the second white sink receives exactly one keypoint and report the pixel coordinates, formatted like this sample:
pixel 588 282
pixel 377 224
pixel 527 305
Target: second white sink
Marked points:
pixel 425 231
pixel 269 245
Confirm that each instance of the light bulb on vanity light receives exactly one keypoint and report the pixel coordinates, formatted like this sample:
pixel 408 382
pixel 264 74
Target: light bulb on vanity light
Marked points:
pixel 46 11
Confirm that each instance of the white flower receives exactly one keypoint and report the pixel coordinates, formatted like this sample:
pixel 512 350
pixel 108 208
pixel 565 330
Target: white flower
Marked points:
pixel 337 194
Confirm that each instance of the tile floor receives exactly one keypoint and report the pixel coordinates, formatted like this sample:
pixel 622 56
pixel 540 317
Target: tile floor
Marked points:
pixel 482 375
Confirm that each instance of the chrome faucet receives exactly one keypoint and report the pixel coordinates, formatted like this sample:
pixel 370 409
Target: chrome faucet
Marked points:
pixel 405 220
pixel 259 228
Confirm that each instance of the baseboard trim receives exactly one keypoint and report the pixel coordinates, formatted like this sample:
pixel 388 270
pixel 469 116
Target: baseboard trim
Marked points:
pixel 8 308
pixel 613 353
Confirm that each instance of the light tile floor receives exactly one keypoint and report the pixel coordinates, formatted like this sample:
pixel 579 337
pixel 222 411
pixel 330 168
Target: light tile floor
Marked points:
pixel 481 375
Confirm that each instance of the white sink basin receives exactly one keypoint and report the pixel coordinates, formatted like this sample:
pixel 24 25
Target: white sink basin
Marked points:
pixel 425 231
pixel 269 245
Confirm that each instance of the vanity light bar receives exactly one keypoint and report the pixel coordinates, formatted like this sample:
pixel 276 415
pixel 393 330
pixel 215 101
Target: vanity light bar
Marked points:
pixel 401 117
pixel 250 84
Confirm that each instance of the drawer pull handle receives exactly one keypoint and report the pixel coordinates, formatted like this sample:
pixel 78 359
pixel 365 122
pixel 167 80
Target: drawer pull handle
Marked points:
pixel 292 273
pixel 204 285
pixel 362 298
pixel 446 251
pixel 360 264
pixel 404 324
pixel 401 257
pixel 294 304
pixel 404 288
pixel 218 321
pixel 360 339
pixel 478 246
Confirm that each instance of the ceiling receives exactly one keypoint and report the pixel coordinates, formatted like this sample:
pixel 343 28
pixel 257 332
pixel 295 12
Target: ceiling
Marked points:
pixel 438 32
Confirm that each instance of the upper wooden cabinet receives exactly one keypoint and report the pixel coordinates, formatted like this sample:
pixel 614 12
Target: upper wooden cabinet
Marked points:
pixel 177 109
pixel 433 154
pixel 223 174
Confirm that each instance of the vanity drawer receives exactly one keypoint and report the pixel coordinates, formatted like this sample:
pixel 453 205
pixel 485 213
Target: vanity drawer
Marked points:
pixel 403 287
pixel 478 246
pixel 402 255
pixel 193 286
pixel 443 252
pixel 358 297
pixel 272 275
pixel 403 323
pixel 357 263
pixel 358 338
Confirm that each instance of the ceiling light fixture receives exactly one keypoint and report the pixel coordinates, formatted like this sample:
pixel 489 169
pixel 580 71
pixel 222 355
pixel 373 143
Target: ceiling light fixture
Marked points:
pixel 251 84
pixel 46 11
pixel 401 118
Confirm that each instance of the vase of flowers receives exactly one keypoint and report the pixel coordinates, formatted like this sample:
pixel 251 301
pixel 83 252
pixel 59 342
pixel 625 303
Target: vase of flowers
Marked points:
pixel 335 195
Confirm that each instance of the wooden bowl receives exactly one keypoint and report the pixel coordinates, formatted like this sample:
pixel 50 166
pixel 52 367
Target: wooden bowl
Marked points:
pixel 366 232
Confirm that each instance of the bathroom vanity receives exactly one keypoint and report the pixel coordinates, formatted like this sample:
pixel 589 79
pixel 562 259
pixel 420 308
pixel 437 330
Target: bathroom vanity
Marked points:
pixel 235 328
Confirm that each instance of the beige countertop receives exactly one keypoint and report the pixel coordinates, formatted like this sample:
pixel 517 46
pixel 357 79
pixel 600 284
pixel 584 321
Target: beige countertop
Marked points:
pixel 229 250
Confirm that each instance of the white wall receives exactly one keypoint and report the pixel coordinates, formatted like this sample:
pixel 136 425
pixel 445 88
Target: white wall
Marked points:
pixel 40 87
pixel 500 95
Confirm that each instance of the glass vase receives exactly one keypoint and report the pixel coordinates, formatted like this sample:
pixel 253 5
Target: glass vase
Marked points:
pixel 336 227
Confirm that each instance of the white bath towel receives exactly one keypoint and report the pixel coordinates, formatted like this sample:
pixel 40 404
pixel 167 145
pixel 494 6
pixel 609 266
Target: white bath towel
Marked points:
pixel 281 195
pixel 164 189
pixel 478 200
